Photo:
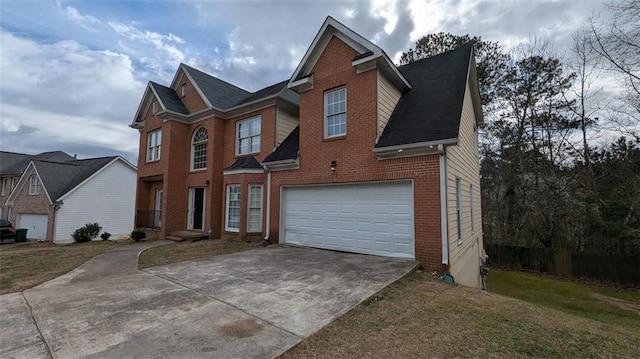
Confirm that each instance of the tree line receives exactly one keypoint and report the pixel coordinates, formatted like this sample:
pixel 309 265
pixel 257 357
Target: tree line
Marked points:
pixel 560 152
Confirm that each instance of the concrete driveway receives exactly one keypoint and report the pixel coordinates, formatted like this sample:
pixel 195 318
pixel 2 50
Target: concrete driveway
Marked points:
pixel 253 304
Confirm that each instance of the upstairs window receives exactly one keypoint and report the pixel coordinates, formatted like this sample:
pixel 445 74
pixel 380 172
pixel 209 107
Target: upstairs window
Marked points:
pixel 199 149
pixel 183 90
pixel 156 107
pixel 34 185
pixel 248 136
pixel 5 186
pixel 154 140
pixel 335 113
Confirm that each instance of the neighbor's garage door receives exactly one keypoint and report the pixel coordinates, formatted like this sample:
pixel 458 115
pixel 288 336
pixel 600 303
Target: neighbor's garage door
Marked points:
pixel 35 223
pixel 370 218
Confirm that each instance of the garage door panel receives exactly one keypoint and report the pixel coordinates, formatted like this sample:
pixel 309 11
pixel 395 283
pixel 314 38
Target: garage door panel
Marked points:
pixel 36 225
pixel 375 218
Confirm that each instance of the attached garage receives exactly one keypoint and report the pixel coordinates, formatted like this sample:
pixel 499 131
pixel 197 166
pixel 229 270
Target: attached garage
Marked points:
pixel 36 225
pixel 369 218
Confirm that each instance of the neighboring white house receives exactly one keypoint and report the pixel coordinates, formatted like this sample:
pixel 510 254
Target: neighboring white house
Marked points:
pixel 54 198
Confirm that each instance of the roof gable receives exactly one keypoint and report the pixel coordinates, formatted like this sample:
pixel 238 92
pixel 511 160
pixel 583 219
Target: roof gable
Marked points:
pixel 367 52
pixel 15 163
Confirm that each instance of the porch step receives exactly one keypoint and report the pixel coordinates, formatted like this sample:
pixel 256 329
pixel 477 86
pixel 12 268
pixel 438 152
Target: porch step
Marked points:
pixel 180 236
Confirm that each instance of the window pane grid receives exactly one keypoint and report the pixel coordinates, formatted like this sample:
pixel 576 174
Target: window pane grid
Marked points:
pixel 249 136
pixel 255 209
pixel 153 145
pixel 233 207
pixel 199 149
pixel 336 113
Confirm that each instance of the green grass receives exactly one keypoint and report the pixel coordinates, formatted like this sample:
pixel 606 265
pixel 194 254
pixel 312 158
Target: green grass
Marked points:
pixel 569 297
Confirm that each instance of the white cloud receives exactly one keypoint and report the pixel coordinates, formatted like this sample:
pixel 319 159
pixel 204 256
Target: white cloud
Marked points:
pixel 87 22
pixel 64 92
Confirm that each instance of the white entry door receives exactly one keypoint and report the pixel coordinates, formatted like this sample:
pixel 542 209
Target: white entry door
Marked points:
pixel 196 208
pixel 370 218
pixel 36 225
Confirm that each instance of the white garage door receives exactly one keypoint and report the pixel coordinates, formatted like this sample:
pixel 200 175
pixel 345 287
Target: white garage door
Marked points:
pixel 35 223
pixel 371 218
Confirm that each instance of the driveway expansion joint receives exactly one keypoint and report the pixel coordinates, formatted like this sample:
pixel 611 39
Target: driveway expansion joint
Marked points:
pixel 35 322
pixel 224 302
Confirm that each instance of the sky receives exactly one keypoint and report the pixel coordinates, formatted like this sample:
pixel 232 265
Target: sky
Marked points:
pixel 72 73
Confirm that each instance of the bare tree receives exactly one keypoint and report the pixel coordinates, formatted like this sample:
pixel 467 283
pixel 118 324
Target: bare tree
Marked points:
pixel 618 43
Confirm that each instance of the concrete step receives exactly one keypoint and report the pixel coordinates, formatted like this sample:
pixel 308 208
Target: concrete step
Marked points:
pixel 175 238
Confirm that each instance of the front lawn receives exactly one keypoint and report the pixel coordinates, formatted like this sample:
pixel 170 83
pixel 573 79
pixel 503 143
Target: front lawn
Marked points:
pixel 184 251
pixel 421 317
pixel 23 266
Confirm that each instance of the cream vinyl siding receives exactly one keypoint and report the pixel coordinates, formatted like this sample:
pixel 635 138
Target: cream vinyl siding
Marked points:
pixel 107 198
pixel 462 163
pixel 285 123
pixel 388 97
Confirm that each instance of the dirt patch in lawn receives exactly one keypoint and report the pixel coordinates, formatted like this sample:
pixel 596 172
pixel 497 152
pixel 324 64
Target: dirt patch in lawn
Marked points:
pixel 419 316
pixel 23 266
pixel 620 303
pixel 184 251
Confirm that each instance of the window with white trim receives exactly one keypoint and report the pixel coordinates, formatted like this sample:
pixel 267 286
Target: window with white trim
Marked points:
pixel 183 90
pixel 232 220
pixel 34 185
pixel 154 140
pixel 459 209
pixel 335 123
pixel 254 223
pixel 5 186
pixel 14 182
pixel 199 144
pixel 471 207
pixel 248 136
pixel 156 107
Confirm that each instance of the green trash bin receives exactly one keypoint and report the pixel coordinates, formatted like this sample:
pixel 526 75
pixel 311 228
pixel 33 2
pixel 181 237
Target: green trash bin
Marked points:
pixel 21 235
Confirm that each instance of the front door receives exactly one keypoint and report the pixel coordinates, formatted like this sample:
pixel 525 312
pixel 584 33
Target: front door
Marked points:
pixel 196 208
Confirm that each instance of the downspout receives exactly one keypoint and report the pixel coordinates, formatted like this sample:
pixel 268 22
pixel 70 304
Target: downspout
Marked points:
pixel 268 216
pixel 444 218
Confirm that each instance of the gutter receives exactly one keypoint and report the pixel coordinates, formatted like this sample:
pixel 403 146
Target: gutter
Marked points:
pixel 418 145
pixel 444 218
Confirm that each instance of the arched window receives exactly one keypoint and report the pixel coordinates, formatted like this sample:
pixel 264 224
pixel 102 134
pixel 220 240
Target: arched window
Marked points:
pixel 199 149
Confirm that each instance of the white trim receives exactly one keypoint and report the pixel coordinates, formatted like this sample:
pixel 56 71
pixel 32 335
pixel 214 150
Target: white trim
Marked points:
pixel 242 170
pixel 237 134
pixel 191 209
pixel 326 116
pixel 158 145
pixel 249 229
pixel 226 208
pixel 444 218
pixel 268 219
pixel 192 152
pixel 459 209
pixel 24 178
pixel 281 165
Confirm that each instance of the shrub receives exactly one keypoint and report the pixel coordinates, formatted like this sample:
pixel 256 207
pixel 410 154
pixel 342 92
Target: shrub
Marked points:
pixel 137 235
pixel 105 236
pixel 86 233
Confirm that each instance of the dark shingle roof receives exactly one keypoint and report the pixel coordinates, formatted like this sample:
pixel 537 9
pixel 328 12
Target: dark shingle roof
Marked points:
pixel 58 178
pixel 431 111
pixel 169 98
pixel 247 162
pixel 220 94
pixel 288 149
pixel 15 163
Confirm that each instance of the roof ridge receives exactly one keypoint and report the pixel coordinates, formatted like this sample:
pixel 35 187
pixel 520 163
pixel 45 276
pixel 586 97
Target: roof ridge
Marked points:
pixel 217 78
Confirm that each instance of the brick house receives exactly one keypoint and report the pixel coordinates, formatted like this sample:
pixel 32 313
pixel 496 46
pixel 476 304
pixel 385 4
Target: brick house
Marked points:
pixel 52 194
pixel 351 153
